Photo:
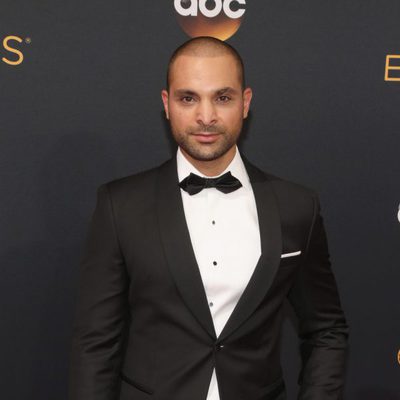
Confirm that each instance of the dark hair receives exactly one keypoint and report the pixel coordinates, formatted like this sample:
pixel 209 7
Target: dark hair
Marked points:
pixel 204 45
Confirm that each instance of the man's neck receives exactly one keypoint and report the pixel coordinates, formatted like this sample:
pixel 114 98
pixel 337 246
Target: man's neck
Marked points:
pixel 212 167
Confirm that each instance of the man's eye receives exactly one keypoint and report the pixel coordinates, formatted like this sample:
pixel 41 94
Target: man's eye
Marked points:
pixel 187 99
pixel 223 99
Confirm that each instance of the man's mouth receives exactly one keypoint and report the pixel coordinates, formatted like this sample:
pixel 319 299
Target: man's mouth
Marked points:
pixel 206 137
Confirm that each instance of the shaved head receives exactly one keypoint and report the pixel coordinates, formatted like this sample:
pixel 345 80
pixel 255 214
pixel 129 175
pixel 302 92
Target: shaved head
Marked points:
pixel 206 46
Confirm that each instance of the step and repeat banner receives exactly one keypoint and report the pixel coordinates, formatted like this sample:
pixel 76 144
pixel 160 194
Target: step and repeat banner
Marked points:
pixel 80 105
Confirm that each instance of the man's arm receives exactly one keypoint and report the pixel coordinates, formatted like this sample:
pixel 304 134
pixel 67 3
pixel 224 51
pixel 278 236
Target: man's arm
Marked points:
pixel 100 313
pixel 323 330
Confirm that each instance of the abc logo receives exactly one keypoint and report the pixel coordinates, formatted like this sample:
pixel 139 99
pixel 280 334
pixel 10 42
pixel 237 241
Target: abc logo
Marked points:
pixel 217 18
pixel 193 6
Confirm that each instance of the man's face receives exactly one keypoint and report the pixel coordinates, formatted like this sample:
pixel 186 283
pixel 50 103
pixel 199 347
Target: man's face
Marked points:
pixel 206 105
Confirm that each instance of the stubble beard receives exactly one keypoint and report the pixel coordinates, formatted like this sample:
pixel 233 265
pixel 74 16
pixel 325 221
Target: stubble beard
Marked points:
pixel 205 151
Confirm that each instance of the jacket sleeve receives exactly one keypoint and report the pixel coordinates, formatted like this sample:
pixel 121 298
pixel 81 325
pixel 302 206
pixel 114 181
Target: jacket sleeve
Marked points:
pixel 101 310
pixel 323 330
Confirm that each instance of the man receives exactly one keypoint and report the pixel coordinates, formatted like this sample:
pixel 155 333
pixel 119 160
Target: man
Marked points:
pixel 187 265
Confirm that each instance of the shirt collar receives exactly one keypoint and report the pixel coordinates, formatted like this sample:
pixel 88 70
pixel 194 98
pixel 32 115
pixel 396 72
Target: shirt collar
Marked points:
pixel 236 167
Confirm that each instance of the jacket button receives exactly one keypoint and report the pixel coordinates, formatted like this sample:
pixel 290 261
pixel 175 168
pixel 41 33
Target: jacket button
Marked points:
pixel 219 347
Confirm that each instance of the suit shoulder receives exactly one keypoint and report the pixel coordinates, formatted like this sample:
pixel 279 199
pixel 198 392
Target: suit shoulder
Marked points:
pixel 296 202
pixel 290 188
pixel 281 185
pixel 140 181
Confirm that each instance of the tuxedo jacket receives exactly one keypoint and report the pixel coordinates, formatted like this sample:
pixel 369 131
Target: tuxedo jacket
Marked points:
pixel 143 329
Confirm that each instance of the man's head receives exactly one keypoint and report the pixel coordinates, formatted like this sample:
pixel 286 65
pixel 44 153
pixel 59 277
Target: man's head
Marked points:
pixel 207 46
pixel 206 99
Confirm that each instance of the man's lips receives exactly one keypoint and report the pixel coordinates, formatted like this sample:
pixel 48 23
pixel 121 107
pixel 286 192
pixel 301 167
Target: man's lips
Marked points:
pixel 206 137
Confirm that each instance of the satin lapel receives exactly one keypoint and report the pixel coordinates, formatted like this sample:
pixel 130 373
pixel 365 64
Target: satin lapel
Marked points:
pixel 271 247
pixel 178 247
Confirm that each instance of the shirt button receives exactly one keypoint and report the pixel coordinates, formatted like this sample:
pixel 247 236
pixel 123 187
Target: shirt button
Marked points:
pixel 214 263
pixel 211 303
pixel 213 222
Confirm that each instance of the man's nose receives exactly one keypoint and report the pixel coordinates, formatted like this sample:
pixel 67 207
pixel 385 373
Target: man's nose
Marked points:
pixel 206 113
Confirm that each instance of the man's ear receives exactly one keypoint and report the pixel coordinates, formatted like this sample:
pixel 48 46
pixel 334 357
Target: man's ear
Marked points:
pixel 247 96
pixel 164 96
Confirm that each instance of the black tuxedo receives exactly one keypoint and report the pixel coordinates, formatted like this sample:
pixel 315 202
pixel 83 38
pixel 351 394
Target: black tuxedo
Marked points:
pixel 143 328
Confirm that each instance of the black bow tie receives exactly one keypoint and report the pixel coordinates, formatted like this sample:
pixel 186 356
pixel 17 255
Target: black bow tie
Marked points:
pixel 225 183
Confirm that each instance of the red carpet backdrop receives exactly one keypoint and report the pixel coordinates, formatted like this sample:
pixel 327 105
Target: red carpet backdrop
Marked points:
pixel 80 105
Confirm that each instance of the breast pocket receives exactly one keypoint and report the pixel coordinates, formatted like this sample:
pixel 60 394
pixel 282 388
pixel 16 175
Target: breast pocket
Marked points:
pixel 291 258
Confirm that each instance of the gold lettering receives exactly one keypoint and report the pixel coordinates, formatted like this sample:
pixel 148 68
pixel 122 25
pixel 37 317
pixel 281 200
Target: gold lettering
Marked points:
pixel 391 67
pixel 12 50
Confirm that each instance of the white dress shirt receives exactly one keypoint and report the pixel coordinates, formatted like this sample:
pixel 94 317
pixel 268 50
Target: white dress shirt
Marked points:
pixel 225 237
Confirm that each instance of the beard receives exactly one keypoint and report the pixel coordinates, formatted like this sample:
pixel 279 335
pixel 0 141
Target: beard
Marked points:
pixel 205 151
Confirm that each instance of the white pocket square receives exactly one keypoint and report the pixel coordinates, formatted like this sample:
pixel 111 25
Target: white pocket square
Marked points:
pixel 295 253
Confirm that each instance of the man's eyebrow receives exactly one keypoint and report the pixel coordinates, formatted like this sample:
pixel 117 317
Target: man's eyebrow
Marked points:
pixel 226 90
pixel 219 92
pixel 184 92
